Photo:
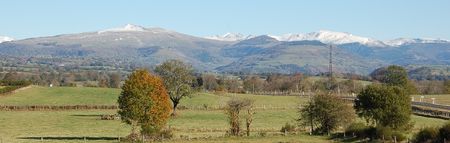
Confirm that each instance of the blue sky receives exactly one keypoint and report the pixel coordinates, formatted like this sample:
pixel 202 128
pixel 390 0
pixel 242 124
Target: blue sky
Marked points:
pixel 380 19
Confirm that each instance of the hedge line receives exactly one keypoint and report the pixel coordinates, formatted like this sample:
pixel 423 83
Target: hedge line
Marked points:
pixel 56 107
pixel 11 86
pixel 427 112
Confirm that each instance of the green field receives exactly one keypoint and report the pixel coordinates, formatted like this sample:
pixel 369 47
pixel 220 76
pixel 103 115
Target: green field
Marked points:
pixel 37 95
pixel 439 99
pixel 29 126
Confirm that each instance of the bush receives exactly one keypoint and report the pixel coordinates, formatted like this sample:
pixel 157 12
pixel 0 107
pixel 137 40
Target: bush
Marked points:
pixel 427 135
pixel 15 83
pixel 144 102
pixel 262 134
pixel 444 132
pixel 375 133
pixel 383 133
pixel 69 84
pixel 288 128
pixel 386 133
pixel 399 136
pixel 160 135
pixel 357 129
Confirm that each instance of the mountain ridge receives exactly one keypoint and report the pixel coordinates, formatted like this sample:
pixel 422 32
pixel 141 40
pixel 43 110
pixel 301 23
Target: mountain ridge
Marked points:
pixel 133 44
pixel 337 38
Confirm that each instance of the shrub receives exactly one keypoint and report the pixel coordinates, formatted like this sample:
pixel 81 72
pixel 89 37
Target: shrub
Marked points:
pixel 357 129
pixel 15 83
pixel 327 113
pixel 144 102
pixel 262 134
pixel 427 135
pixel 288 128
pixel 383 133
pixel 160 135
pixel 398 136
pixel 233 109
pixel 444 132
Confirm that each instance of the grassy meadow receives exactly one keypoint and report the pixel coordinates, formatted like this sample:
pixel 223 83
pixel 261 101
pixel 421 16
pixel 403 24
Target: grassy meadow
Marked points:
pixel 38 95
pixel 194 122
pixel 439 99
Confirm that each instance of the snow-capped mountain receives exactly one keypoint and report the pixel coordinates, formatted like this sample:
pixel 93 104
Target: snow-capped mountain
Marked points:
pixel 230 37
pixel 133 28
pixel 139 45
pixel 5 39
pixel 403 41
pixel 330 37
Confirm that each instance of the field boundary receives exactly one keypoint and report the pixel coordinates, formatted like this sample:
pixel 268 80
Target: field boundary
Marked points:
pixel 13 89
pixel 108 107
pixel 56 107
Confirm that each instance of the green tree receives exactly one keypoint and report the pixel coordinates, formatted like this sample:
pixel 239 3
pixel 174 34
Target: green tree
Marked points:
pixel 388 106
pixel 394 76
pixel 178 79
pixel 144 102
pixel 327 112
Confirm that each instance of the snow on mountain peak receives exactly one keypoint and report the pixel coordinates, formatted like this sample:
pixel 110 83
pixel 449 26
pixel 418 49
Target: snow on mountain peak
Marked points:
pixel 126 28
pixel 330 37
pixel 5 39
pixel 230 37
pixel 131 27
pixel 402 41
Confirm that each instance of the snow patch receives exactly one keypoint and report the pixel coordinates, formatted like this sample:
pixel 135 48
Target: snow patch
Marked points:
pixel 329 37
pixel 403 41
pixel 126 28
pixel 230 37
pixel 5 39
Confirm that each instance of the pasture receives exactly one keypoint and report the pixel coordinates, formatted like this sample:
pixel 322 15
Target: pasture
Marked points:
pixel 201 118
pixel 443 99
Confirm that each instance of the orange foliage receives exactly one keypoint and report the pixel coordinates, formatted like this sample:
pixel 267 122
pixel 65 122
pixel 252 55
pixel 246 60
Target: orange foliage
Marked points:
pixel 144 101
pixel 161 108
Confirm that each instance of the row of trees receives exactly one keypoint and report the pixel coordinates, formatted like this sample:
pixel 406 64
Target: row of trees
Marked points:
pixel 432 86
pixel 297 83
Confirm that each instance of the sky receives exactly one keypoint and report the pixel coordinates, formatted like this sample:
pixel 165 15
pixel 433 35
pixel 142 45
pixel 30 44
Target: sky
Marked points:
pixel 379 19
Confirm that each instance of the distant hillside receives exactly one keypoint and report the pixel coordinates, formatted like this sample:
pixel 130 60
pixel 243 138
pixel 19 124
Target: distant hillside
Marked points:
pixel 236 53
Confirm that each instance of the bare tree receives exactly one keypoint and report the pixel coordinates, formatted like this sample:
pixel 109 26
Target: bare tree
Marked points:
pixel 233 109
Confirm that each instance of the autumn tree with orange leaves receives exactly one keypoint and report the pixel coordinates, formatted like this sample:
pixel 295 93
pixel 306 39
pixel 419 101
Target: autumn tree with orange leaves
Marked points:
pixel 144 102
